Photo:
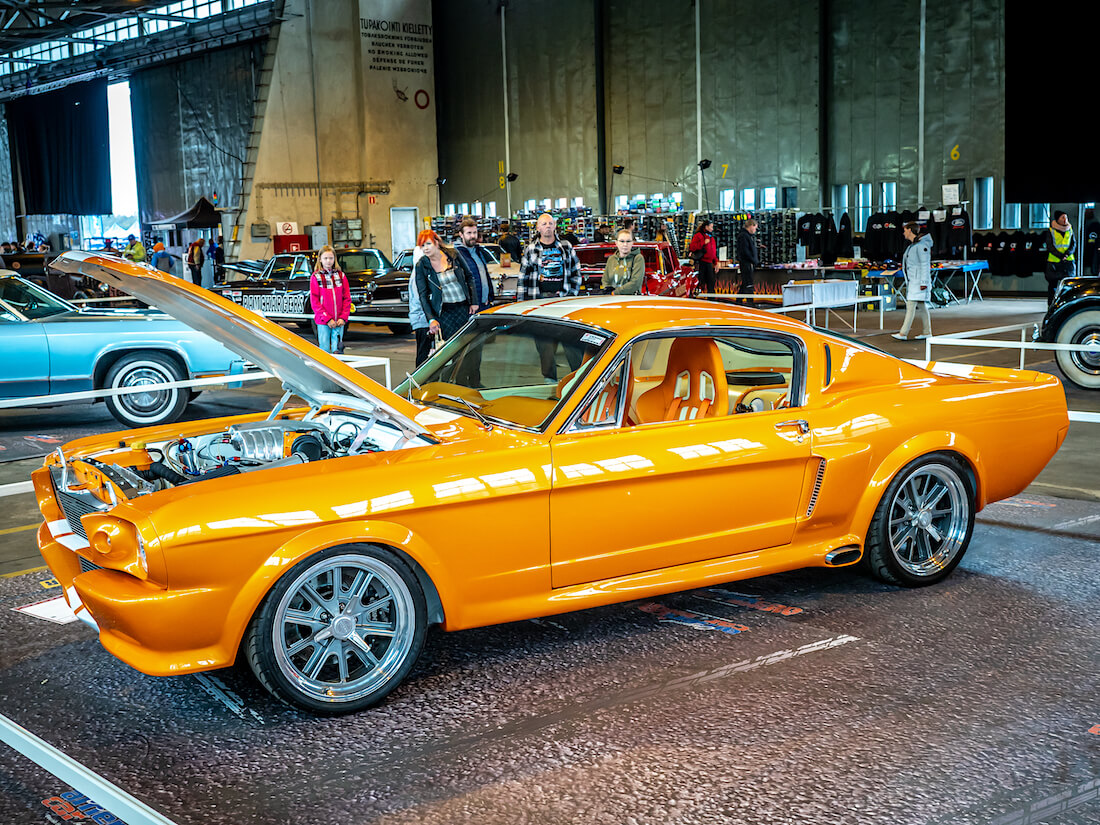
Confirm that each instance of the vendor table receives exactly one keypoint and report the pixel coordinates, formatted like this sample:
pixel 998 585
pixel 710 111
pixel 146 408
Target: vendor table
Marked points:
pixel 970 271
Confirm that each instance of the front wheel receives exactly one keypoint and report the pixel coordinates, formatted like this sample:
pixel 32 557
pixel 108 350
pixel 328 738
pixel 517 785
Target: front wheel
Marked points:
pixel 339 631
pixel 151 407
pixel 1081 368
pixel 923 524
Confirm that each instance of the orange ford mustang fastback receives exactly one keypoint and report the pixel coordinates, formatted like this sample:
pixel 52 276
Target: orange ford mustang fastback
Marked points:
pixel 554 455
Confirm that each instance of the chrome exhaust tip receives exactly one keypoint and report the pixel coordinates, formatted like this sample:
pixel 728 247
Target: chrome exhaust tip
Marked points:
pixel 843 556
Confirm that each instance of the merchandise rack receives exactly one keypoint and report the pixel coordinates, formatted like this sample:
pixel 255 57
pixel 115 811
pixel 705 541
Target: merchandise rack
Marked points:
pixel 776 236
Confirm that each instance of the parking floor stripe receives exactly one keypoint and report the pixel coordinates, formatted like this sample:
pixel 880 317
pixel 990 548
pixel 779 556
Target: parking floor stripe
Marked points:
pixel 41 569
pixel 16 488
pixel 22 529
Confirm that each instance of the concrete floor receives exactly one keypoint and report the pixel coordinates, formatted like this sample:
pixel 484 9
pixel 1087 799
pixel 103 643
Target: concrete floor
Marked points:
pixel 970 702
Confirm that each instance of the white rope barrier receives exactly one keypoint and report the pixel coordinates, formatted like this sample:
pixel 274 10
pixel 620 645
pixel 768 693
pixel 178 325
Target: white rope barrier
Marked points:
pixel 973 338
pixel 212 381
pixel 809 309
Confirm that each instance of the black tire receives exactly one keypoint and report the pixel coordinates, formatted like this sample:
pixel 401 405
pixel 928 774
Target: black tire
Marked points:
pixel 306 325
pixel 146 409
pixel 399 329
pixel 922 525
pixel 193 395
pixel 1080 368
pixel 322 661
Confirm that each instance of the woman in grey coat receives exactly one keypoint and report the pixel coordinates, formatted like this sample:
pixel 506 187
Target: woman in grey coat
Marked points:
pixel 916 263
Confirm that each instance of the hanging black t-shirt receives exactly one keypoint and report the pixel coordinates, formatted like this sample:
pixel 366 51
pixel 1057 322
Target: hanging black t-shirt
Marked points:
pixel 893 243
pixel 958 232
pixel 806 230
pixel 999 265
pixel 940 225
pixel 873 237
pixel 844 238
pixel 1091 253
pixel 1025 253
pixel 1039 264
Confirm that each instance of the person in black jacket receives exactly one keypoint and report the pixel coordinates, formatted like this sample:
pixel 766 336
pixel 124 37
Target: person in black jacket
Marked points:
pixel 510 243
pixel 747 256
pixel 443 286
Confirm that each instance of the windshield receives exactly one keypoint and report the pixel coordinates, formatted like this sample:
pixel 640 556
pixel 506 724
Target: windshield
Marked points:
pixel 514 371
pixel 595 256
pixel 361 260
pixel 31 301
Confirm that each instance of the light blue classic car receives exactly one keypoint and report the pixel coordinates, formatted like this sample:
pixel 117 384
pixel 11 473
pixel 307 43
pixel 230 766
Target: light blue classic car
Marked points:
pixel 49 347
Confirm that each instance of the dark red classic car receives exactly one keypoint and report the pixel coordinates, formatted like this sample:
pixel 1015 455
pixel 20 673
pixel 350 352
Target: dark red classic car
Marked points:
pixel 664 272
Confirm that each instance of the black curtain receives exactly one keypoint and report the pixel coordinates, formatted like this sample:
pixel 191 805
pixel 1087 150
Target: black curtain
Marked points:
pixel 63 149
pixel 1050 58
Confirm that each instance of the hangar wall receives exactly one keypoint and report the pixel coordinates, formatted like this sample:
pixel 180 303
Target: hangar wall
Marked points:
pixel 763 99
pixel 352 100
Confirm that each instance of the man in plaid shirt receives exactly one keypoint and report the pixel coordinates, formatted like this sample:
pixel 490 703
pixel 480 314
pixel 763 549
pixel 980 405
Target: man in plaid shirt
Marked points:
pixel 549 268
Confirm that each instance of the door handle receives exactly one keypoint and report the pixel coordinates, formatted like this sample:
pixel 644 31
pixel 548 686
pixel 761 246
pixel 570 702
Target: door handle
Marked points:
pixel 802 424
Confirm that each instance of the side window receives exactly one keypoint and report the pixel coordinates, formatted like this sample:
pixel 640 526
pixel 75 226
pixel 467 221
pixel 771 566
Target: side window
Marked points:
pixel 603 409
pixel 759 373
pixel 301 268
pixel 685 378
pixel 281 267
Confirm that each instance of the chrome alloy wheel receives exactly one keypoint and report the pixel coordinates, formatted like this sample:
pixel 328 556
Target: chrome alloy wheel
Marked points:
pixel 929 519
pixel 343 628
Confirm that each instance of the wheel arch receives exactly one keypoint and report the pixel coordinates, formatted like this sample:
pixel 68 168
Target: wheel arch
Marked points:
pixel 944 442
pixel 1081 303
pixel 411 548
pixel 109 358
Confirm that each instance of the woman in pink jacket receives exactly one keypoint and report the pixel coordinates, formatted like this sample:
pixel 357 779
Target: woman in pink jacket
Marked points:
pixel 330 299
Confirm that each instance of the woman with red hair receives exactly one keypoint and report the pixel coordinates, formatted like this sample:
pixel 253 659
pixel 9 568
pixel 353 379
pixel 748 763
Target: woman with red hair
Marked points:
pixel 439 297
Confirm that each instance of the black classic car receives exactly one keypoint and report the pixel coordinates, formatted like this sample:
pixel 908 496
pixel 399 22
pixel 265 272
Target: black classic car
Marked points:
pixel 1074 318
pixel 35 267
pixel 280 288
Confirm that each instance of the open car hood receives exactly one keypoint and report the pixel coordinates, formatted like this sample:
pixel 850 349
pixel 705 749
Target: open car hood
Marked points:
pixel 312 374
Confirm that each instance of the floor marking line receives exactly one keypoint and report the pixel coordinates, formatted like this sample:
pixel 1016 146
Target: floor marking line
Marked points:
pixel 16 488
pixel 1077 522
pixel 9 530
pixel 22 572
pixel 78 776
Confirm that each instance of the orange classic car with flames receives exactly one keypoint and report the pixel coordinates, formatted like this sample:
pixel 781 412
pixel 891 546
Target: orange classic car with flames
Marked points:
pixel 554 455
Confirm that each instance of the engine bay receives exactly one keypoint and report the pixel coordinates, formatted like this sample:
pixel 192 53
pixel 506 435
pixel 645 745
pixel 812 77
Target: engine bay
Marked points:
pixel 143 467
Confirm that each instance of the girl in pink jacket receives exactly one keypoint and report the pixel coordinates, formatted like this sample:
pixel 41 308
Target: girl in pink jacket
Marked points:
pixel 330 299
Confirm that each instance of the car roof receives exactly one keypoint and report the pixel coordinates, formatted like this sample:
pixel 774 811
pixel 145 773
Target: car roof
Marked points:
pixel 631 315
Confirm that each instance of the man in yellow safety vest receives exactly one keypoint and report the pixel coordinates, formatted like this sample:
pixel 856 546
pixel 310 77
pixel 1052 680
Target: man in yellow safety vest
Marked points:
pixel 1060 248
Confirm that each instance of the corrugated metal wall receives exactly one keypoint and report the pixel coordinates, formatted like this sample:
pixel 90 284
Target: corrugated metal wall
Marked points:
pixel 650 103
pixel 191 122
pixel 552 108
pixel 873 98
pixel 760 92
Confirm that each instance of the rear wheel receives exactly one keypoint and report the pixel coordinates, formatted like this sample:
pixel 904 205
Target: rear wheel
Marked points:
pixel 339 631
pixel 923 524
pixel 1081 368
pixel 147 408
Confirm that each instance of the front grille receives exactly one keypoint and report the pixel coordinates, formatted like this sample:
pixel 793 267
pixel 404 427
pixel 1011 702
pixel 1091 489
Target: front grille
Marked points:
pixel 88 566
pixel 73 508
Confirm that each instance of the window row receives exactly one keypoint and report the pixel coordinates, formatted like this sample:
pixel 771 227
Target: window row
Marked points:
pixel 113 31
